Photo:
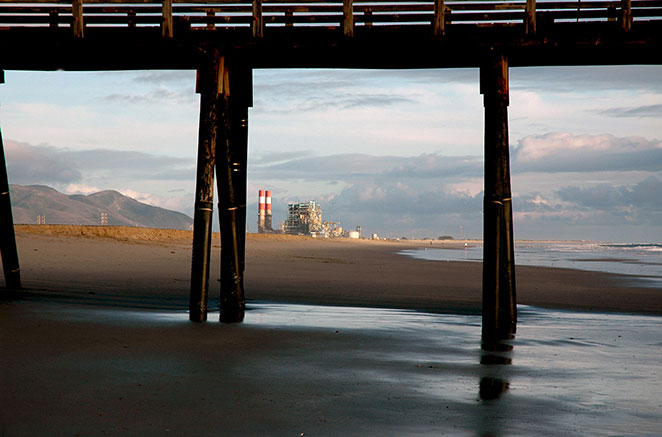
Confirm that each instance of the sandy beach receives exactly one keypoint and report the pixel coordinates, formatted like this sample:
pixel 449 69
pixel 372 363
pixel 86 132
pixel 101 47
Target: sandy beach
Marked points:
pixel 151 268
pixel 99 343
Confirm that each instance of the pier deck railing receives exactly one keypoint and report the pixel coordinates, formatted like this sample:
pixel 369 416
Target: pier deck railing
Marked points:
pixel 343 15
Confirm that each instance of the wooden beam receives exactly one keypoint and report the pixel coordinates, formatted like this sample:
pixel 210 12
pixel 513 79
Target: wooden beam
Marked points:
pixel 8 248
pixel 208 86
pixel 530 20
pixel 439 20
pixel 499 301
pixel 167 26
pixel 258 22
pixel 348 18
pixel 78 23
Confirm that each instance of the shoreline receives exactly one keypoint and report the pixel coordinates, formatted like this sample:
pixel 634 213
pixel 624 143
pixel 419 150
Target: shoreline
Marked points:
pixel 140 266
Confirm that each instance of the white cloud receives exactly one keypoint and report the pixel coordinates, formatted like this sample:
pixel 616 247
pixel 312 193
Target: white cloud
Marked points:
pixel 81 189
pixel 562 151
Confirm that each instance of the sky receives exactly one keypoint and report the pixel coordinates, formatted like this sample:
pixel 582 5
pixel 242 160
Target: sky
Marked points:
pixel 399 153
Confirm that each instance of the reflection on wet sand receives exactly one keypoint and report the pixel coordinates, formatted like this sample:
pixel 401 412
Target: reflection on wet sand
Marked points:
pixel 292 369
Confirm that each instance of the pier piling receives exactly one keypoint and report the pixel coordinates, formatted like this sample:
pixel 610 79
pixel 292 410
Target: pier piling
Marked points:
pixel 208 86
pixel 499 301
pixel 8 248
pixel 231 160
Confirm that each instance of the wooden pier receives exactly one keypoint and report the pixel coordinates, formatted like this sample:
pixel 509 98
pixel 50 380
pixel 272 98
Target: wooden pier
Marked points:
pixel 225 40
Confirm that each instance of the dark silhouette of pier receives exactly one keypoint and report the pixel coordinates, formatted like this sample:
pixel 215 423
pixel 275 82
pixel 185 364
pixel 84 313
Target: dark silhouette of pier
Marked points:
pixel 225 40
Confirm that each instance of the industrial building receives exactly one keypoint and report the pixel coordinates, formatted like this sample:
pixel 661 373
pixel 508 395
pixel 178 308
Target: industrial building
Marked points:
pixel 305 218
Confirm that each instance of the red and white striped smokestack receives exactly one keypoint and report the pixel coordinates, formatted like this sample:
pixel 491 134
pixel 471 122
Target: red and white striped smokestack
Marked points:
pixel 260 198
pixel 267 220
pixel 261 212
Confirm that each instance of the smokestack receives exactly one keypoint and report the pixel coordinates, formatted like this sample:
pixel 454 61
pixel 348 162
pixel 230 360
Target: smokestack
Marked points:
pixel 267 222
pixel 260 212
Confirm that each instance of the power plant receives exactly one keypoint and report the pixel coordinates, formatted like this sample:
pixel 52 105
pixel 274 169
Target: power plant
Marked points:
pixel 303 218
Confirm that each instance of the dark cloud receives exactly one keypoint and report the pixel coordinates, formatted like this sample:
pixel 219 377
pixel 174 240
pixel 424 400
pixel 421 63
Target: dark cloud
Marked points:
pixel 29 164
pixel 643 196
pixel 635 112
pixel 564 152
pixel 396 209
pixel 433 165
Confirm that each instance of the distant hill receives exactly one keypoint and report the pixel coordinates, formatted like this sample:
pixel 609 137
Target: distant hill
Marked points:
pixel 31 201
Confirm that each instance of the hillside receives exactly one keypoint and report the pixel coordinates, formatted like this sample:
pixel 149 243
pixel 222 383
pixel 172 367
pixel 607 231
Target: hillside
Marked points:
pixel 31 201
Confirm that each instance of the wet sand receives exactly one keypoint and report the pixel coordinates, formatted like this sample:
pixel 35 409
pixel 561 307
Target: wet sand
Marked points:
pixel 100 344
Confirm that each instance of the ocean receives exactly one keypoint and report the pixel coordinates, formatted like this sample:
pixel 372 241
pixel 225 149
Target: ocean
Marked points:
pixel 642 263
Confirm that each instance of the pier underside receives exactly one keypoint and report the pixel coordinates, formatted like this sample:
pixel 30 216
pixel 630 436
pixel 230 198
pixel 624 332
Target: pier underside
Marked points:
pixel 225 59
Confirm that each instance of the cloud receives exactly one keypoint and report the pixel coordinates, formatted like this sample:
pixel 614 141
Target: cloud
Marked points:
pixel 81 189
pixel 396 208
pixel 27 164
pixel 603 78
pixel 161 95
pixel 351 166
pixel 434 165
pixel 564 152
pixel 646 195
pixel 272 158
pixel 161 77
pixel 653 111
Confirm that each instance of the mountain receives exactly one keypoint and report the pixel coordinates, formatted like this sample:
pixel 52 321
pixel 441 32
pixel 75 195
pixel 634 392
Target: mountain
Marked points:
pixel 29 202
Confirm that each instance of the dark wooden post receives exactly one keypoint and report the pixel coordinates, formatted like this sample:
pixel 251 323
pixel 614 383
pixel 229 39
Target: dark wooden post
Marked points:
pixel 499 302
pixel 626 15
pixel 208 86
pixel 7 237
pixel 78 23
pixel 231 158
pixel 241 100
pixel 258 22
pixel 530 19
pixel 167 24
pixel 439 20
pixel 348 18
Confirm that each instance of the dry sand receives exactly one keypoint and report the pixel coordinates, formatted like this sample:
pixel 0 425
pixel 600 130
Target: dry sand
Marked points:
pixel 99 344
